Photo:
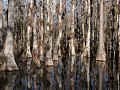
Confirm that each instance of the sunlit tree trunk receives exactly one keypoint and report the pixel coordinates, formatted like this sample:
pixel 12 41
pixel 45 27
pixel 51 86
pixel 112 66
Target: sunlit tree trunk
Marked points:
pixel 83 24
pixel 35 44
pixel 72 27
pixel 29 29
pixel 41 31
pixel 23 56
pixel 87 47
pixel 8 51
pixel 49 61
pixel 88 72
pixel 55 54
pixel 101 50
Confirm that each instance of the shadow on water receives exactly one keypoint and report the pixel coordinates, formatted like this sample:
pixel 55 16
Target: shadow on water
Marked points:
pixel 72 73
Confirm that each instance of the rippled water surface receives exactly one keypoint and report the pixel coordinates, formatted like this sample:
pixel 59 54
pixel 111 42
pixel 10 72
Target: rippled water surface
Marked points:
pixel 66 74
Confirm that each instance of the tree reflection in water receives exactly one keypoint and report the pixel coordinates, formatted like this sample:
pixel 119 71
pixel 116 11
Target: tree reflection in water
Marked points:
pixel 72 73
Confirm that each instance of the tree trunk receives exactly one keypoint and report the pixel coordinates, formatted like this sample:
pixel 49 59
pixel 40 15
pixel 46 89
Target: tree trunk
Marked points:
pixel 118 17
pixel 49 61
pixel 72 63
pixel 87 47
pixel 8 51
pixel 1 18
pixel 55 54
pixel 72 28
pixel 29 29
pixel 101 51
pixel 35 44
pixel 41 31
pixel 118 21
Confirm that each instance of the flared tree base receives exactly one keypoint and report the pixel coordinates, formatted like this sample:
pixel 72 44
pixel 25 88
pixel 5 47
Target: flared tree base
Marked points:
pixel 9 67
pixel 86 54
pixel 101 56
pixel 49 62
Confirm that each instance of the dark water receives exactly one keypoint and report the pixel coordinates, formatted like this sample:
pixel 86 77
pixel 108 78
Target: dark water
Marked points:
pixel 67 74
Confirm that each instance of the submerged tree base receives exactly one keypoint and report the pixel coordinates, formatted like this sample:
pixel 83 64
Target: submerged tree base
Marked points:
pixel 101 56
pixel 7 66
pixel 49 62
pixel 86 54
pixel 11 67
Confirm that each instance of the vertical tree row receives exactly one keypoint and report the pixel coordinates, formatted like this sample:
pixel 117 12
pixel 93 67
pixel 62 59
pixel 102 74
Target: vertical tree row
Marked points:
pixel 43 30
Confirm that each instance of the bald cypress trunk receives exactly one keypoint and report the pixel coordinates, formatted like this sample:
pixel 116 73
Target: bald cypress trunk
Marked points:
pixel 101 50
pixel 8 51
pixel 73 27
pixel 35 44
pixel 29 29
pixel 118 21
pixel 119 30
pixel 41 31
pixel 87 47
pixel 49 61
pixel 1 41
pixel 55 53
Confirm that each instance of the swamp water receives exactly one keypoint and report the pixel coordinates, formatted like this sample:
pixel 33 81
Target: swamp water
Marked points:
pixel 71 73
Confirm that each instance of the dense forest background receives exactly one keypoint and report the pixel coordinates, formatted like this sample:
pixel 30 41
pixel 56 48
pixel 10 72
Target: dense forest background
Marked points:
pixel 43 31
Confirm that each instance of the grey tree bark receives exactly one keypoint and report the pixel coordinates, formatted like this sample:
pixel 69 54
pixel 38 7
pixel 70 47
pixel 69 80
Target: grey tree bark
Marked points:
pixel 57 43
pixel 29 29
pixel 101 50
pixel 1 19
pixel 87 47
pixel 118 20
pixel 8 51
pixel 72 28
pixel 35 44
pixel 41 31
pixel 49 61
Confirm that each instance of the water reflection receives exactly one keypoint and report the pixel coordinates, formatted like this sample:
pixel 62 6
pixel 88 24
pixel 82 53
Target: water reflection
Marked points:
pixel 71 73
